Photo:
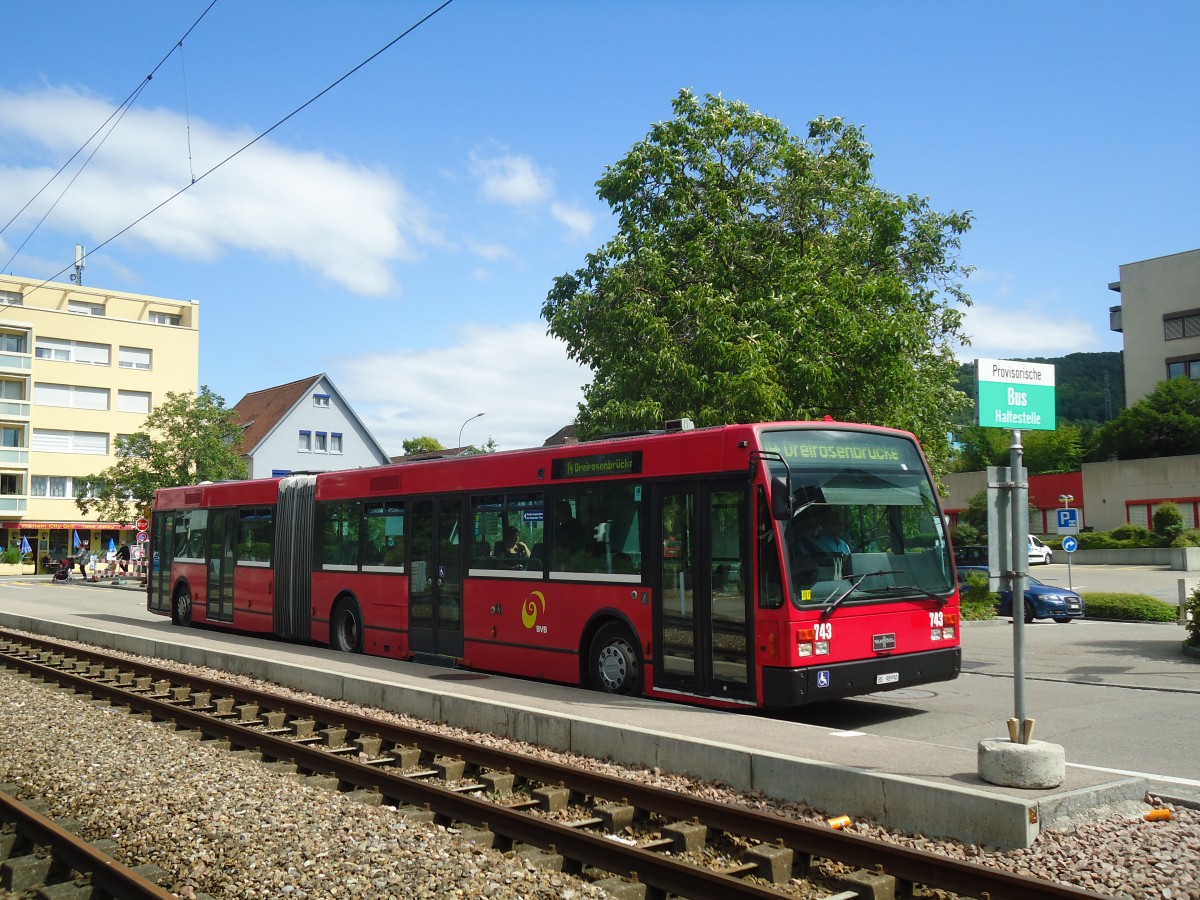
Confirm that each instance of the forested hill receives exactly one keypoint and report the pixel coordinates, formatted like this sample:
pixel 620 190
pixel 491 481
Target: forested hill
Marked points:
pixel 1090 387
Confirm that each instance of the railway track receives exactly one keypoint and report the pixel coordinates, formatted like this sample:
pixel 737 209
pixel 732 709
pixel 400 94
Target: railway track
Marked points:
pixel 630 837
pixel 42 857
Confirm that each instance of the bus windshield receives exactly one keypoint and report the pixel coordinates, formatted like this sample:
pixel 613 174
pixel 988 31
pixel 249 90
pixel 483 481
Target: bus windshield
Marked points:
pixel 865 522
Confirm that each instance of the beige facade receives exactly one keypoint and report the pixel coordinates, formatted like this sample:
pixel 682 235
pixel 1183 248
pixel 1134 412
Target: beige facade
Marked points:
pixel 1159 321
pixel 79 366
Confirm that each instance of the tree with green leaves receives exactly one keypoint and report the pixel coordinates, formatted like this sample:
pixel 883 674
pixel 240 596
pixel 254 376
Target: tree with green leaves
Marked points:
pixel 1058 450
pixel 1166 422
pixel 186 439
pixel 424 444
pixel 759 276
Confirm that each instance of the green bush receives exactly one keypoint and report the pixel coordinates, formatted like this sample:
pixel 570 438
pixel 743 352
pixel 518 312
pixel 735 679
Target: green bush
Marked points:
pixel 965 534
pixel 1191 609
pixel 1168 521
pixel 11 556
pixel 1189 538
pixel 1127 608
pixel 975 602
pixel 1130 532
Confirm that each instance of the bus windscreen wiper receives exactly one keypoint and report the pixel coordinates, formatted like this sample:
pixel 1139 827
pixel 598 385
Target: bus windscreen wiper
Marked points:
pixel 858 579
pixel 941 601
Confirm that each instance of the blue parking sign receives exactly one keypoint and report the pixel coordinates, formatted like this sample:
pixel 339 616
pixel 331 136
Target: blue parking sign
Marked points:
pixel 1068 521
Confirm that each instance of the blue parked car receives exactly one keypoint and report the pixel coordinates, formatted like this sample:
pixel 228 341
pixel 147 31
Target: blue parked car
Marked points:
pixel 1042 601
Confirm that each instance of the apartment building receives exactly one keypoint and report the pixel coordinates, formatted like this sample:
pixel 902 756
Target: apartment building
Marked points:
pixel 79 366
pixel 1159 321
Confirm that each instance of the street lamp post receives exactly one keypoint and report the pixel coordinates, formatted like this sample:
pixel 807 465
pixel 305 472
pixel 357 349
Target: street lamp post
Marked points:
pixel 464 425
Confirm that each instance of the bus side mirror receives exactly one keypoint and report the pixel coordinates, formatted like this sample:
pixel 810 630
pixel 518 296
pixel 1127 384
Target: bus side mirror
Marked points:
pixel 782 506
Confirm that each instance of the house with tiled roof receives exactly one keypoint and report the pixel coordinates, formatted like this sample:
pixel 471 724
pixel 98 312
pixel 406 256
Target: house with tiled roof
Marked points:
pixel 304 426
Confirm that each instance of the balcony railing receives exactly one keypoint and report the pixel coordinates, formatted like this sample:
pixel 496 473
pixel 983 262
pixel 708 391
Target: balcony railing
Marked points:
pixel 22 361
pixel 18 408
pixel 17 455
pixel 12 504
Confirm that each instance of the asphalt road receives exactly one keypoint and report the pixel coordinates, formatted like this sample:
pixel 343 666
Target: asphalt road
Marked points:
pixel 1156 581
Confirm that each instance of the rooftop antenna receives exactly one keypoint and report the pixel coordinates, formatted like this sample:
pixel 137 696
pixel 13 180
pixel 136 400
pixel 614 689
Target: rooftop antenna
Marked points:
pixel 79 254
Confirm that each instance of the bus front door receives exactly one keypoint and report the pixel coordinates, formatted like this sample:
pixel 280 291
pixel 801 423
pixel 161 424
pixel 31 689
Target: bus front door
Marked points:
pixel 702 625
pixel 435 579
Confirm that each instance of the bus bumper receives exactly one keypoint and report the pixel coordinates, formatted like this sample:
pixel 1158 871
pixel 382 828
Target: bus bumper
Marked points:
pixel 811 684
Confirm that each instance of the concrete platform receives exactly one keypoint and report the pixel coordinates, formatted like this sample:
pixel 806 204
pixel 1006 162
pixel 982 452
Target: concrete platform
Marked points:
pixel 906 785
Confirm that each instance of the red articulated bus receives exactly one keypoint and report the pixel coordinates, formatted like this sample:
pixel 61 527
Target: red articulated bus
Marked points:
pixel 762 565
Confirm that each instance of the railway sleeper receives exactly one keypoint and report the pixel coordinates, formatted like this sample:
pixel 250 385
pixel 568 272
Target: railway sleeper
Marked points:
pixel 621 888
pixel 549 859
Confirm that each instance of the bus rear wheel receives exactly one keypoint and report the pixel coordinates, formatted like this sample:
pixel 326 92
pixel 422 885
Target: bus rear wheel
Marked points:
pixel 345 628
pixel 181 606
pixel 613 663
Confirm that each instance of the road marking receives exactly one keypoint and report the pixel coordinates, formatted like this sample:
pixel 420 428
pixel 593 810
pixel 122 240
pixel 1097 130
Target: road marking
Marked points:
pixel 1170 779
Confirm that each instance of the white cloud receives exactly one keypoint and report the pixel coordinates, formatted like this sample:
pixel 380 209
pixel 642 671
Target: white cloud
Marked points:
pixel 519 376
pixel 511 179
pixel 1008 332
pixel 578 220
pixel 345 222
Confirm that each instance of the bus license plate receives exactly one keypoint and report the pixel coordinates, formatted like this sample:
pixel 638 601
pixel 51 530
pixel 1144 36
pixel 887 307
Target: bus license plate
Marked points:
pixel 888 678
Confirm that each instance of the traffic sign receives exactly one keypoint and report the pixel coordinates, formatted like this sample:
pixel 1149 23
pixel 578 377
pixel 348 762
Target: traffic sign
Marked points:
pixel 142 537
pixel 1068 521
pixel 1015 395
pixel 1070 545
pixel 142 525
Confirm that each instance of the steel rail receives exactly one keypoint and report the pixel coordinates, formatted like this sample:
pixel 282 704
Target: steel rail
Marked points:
pixel 104 872
pixel 646 866
pixel 904 863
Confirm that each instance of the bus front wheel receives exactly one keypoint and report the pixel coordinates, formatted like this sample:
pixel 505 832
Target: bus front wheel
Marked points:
pixel 613 662
pixel 345 628
pixel 181 606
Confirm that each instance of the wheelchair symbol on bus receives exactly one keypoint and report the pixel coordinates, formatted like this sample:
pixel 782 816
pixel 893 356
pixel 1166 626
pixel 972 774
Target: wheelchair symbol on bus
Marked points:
pixel 823 678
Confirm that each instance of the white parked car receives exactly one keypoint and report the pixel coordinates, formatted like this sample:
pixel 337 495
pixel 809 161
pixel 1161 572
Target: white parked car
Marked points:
pixel 1039 552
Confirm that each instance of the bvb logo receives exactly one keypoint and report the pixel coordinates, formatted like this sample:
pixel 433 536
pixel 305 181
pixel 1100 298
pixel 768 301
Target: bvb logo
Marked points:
pixel 530 608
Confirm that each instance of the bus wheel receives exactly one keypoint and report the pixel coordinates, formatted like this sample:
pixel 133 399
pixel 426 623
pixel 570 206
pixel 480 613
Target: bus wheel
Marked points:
pixel 345 628
pixel 613 663
pixel 181 606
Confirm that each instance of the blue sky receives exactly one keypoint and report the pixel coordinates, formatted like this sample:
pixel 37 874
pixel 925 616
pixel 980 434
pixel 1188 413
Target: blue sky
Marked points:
pixel 401 232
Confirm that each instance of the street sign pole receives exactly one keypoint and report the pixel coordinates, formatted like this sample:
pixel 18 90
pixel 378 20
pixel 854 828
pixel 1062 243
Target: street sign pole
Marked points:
pixel 1020 731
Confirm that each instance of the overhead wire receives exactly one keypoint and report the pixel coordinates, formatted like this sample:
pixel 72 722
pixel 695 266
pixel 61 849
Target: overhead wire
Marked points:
pixel 119 111
pixel 196 180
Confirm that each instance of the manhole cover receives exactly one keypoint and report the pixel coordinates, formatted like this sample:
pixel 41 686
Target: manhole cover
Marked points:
pixel 459 676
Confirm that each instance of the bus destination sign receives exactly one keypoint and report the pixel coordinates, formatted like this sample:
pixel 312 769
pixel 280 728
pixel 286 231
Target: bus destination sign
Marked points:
pixel 602 465
pixel 841 447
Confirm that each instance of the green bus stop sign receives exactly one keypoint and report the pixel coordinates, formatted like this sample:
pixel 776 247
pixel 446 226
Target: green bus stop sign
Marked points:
pixel 1015 395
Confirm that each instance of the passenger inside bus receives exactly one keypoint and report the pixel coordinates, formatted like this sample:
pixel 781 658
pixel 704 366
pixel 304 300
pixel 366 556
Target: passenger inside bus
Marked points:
pixel 512 548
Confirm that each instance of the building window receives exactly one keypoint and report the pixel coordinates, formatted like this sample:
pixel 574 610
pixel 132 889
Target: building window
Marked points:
pixel 133 401
pixel 70 396
pixel 160 318
pixel 12 298
pixel 72 351
pixel 12 390
pixel 87 309
pixel 38 486
pixel 13 342
pixel 322 443
pixel 321 400
pixel 305 445
pixel 335 442
pixel 89 443
pixel 1181 325
pixel 10 484
pixel 1183 368
pixel 11 436
pixel 133 358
